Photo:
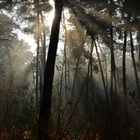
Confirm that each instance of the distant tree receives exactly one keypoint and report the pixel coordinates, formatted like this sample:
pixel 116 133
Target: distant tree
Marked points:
pixel 15 58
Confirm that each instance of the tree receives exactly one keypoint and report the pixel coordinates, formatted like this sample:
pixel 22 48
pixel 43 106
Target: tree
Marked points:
pixel 14 60
pixel 105 25
pixel 45 108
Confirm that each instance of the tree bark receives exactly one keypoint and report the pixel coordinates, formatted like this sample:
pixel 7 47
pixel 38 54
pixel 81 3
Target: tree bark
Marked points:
pixel 45 108
pixel 124 76
pixel 134 64
pixel 124 63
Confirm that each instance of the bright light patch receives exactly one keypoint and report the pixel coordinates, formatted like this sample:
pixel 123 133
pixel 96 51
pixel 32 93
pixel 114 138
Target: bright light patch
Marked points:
pixel 28 39
pixel 49 18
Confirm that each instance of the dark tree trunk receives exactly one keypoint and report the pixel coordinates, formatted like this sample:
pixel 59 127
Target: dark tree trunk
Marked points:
pixel 124 76
pixel 102 74
pixel 124 64
pixel 113 86
pixel 45 108
pixel 134 64
pixel 113 75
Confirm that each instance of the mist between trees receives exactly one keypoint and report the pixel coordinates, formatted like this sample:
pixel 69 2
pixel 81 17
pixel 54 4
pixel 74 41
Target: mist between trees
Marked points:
pixel 82 82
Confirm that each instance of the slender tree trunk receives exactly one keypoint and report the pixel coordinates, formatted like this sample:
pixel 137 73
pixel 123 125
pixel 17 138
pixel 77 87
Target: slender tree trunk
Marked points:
pixel 37 62
pixel 124 63
pixel 45 108
pixel 102 74
pixel 86 96
pixel 74 109
pixel 65 58
pixel 43 53
pixel 139 44
pixel 76 71
pixel 139 53
pixel 60 92
pixel 104 68
pixel 113 86
pixel 75 77
pixel 44 39
pixel 112 80
pixel 134 64
pixel 124 75
pixel 60 98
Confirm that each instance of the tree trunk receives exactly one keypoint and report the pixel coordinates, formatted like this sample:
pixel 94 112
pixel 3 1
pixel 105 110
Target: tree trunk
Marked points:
pixel 124 75
pixel 134 64
pixel 102 74
pixel 43 54
pixel 113 87
pixel 45 108
pixel 37 62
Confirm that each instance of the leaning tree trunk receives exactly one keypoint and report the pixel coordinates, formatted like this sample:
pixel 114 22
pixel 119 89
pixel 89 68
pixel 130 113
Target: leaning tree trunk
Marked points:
pixel 45 108
pixel 103 78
